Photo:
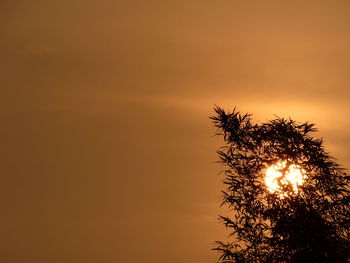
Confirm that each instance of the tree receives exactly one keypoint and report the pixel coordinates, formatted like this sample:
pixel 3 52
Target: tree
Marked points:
pixel 310 224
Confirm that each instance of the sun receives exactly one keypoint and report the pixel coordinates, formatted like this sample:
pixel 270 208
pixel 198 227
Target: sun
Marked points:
pixel 276 176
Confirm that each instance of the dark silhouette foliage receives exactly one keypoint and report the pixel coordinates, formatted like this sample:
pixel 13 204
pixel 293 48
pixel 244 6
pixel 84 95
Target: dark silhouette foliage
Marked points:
pixel 310 225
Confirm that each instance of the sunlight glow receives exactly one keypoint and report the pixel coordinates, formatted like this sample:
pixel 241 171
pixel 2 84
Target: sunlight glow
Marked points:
pixel 276 176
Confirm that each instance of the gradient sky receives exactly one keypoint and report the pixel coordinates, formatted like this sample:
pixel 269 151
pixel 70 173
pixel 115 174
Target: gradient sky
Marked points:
pixel 107 153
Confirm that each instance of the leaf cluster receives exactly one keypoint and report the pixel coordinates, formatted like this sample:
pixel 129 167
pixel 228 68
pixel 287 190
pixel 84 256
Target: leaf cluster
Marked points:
pixel 311 225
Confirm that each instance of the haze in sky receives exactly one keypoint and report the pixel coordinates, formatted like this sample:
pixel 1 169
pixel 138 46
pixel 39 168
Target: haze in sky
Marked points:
pixel 107 150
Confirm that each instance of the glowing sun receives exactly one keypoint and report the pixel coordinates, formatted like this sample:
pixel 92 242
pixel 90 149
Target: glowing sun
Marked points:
pixel 277 175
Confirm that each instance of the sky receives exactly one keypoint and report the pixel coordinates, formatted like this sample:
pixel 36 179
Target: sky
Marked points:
pixel 107 150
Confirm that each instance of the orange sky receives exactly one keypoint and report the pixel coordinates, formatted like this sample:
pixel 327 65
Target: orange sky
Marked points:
pixel 107 153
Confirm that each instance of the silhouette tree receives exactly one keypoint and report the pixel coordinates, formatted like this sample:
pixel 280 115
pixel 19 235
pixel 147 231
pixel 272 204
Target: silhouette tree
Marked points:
pixel 308 225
